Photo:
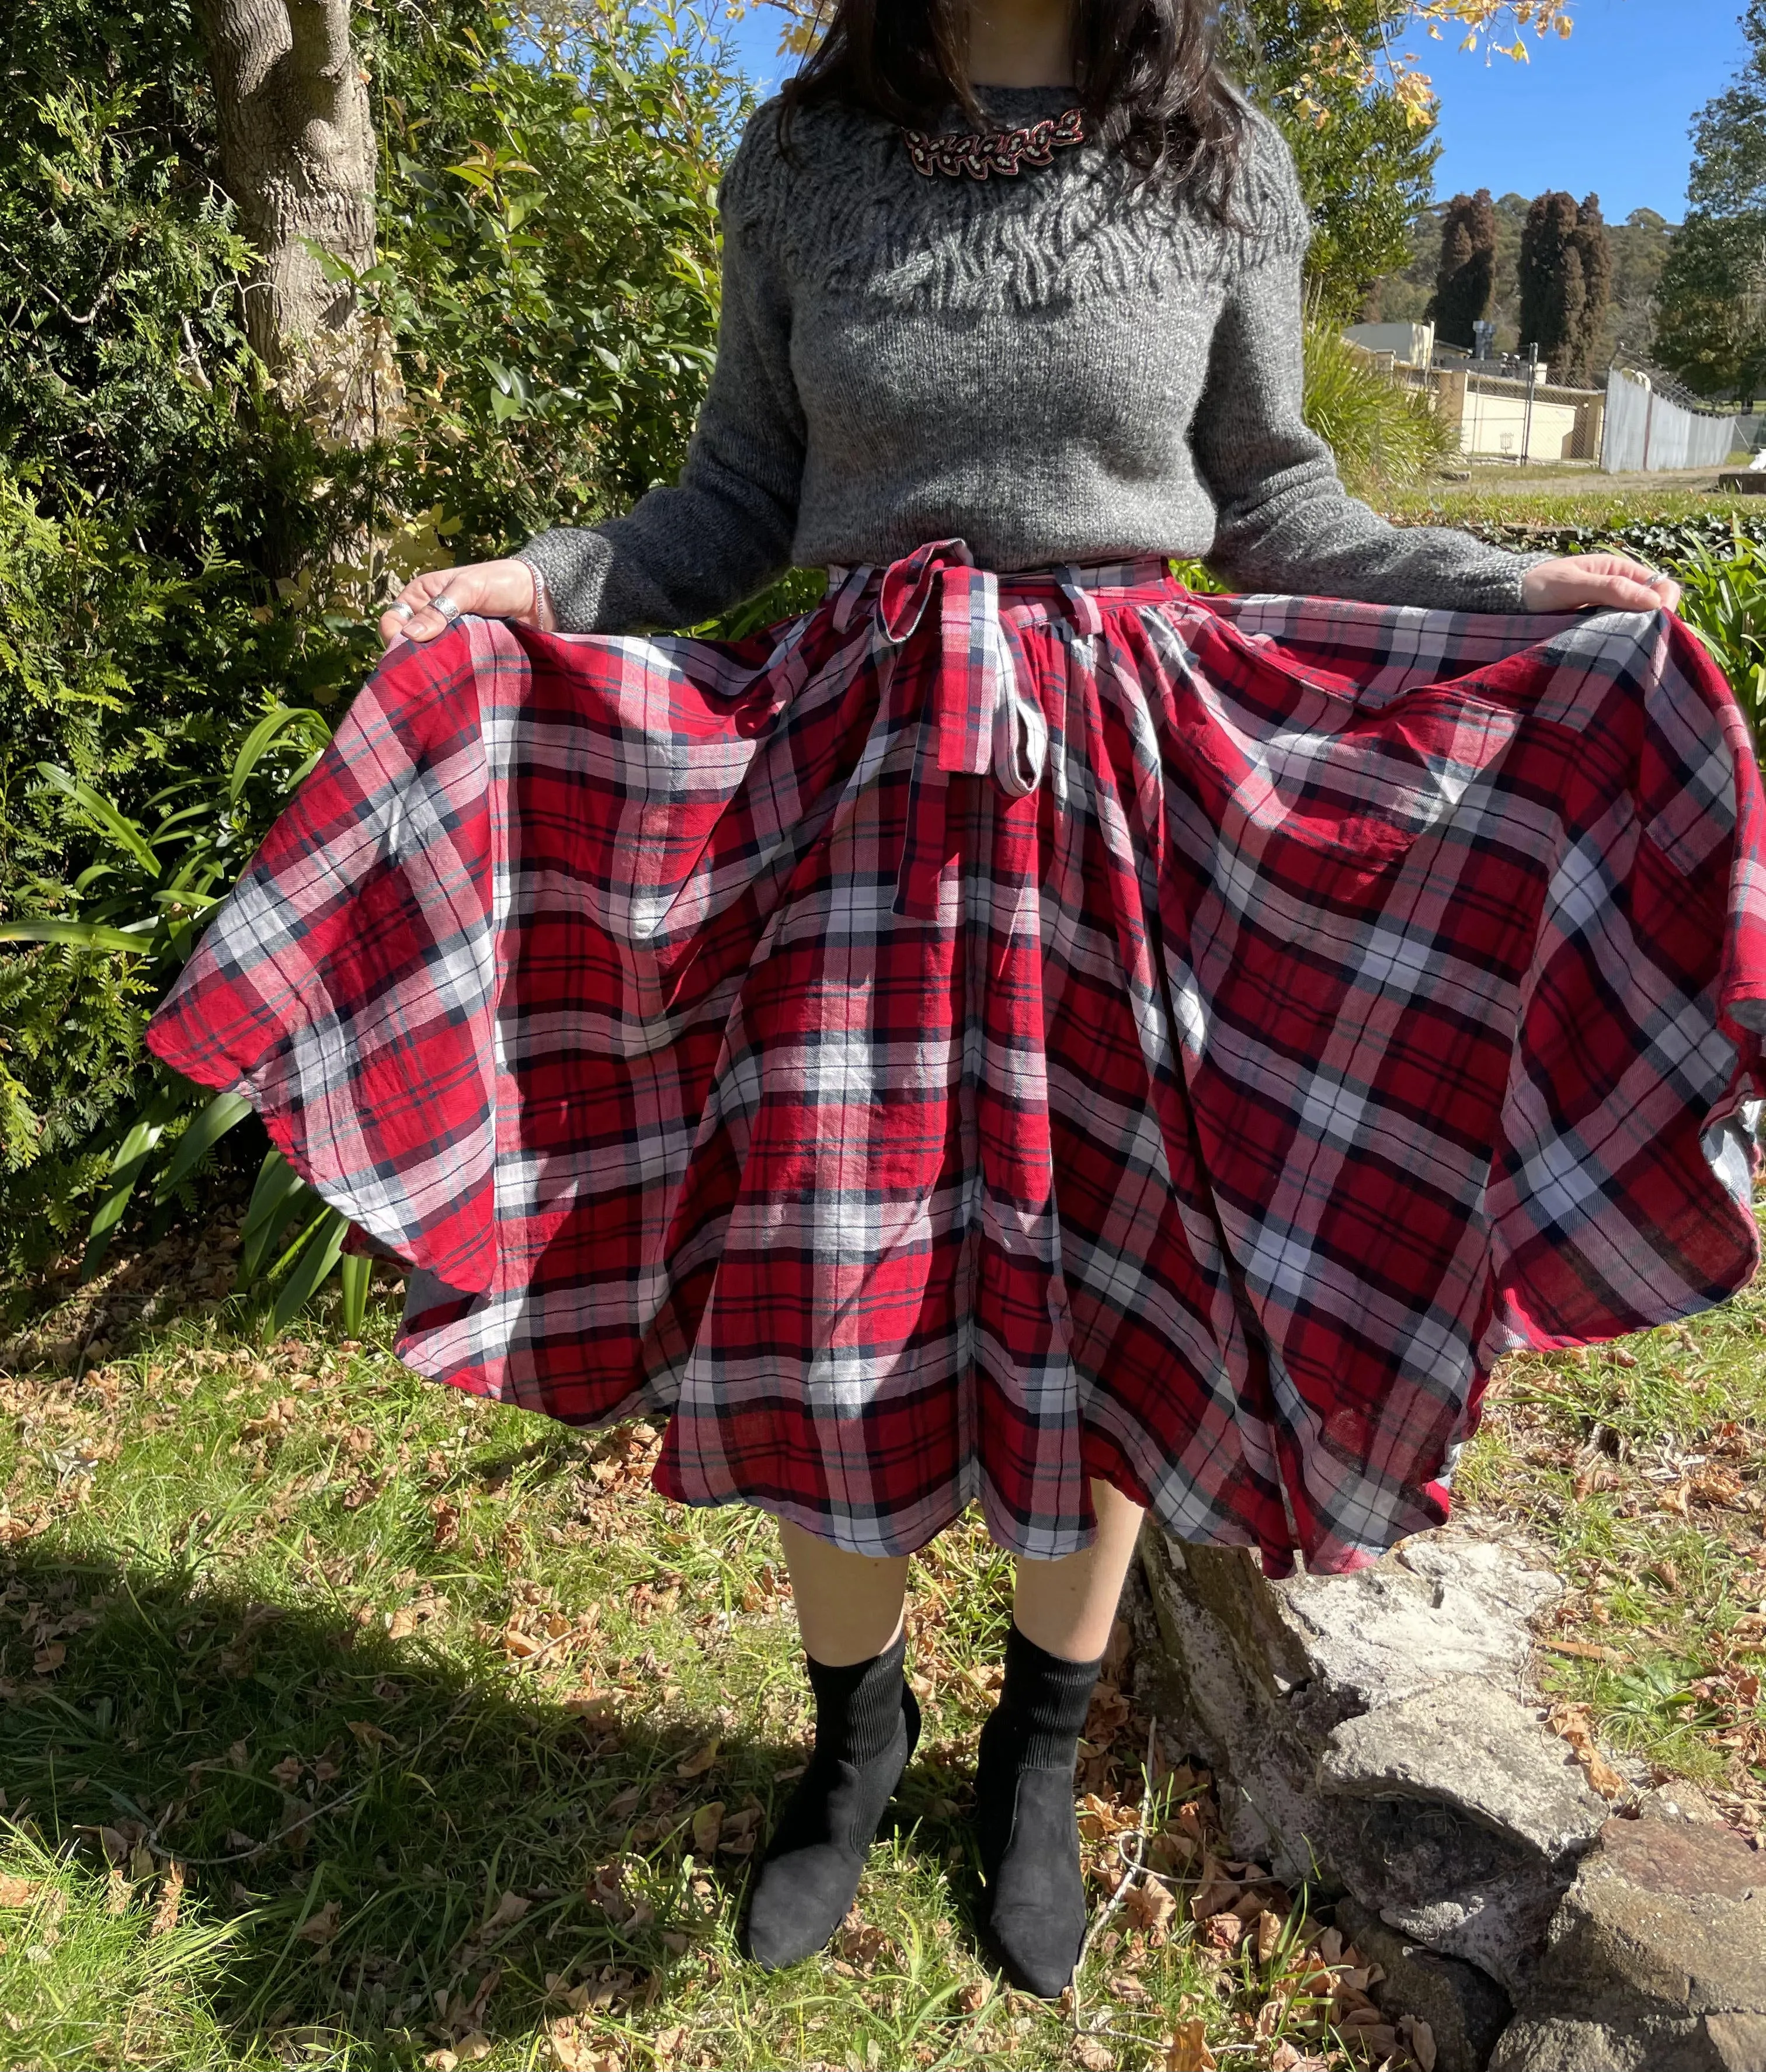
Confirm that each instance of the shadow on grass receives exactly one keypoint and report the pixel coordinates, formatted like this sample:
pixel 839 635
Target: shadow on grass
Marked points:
pixel 361 1809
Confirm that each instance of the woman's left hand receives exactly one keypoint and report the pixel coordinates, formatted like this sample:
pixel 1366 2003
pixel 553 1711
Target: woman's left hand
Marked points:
pixel 1612 582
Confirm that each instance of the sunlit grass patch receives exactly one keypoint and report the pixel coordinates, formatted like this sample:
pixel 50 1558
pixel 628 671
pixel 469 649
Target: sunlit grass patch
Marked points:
pixel 1642 1465
pixel 461 1741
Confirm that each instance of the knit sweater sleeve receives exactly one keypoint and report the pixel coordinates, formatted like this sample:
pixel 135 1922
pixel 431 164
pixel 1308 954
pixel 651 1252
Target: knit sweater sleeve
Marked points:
pixel 1284 520
pixel 689 550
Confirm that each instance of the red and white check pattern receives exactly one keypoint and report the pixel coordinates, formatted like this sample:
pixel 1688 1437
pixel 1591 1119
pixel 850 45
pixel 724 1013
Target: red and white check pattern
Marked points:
pixel 998 1031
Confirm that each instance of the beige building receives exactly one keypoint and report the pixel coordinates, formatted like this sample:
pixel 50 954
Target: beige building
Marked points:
pixel 1495 420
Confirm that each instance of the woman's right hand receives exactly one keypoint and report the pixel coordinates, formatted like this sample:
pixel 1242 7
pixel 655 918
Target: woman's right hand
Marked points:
pixel 493 589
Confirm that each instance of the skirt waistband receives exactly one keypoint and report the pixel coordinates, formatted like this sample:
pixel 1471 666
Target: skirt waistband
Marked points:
pixel 984 721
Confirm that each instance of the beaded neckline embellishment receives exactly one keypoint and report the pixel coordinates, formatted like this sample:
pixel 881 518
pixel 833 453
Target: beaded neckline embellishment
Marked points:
pixel 975 154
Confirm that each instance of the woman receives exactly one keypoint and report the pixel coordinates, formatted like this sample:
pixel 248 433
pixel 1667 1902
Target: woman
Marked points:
pixel 1021 1033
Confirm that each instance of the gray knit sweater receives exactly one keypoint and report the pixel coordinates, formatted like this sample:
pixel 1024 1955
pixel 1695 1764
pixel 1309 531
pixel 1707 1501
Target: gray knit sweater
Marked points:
pixel 1059 366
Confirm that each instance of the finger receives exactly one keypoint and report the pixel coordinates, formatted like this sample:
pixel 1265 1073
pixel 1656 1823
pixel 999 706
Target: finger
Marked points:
pixel 415 604
pixel 441 597
pixel 1626 594
pixel 428 623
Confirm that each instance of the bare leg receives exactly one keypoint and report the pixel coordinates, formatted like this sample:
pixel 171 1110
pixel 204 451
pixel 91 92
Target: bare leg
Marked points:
pixel 1067 1607
pixel 849 1606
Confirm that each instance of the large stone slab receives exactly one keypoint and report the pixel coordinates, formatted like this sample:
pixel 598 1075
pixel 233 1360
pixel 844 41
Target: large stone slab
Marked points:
pixel 1655 1961
pixel 1459 1819
pixel 1370 1737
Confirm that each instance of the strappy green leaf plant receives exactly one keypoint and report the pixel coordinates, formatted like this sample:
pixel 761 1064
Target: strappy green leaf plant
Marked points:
pixel 144 898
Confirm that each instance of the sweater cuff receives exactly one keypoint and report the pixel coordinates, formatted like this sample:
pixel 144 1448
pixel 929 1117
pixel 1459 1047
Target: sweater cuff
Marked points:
pixel 575 563
pixel 1519 564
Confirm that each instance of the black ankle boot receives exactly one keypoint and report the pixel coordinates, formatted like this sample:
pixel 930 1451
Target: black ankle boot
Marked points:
pixel 1033 1918
pixel 867 1722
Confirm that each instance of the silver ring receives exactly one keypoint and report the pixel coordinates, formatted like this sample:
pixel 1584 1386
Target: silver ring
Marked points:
pixel 444 607
pixel 400 609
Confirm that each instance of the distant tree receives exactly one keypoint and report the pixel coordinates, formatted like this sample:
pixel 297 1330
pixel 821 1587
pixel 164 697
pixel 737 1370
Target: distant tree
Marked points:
pixel 1593 249
pixel 1465 278
pixel 1553 293
pixel 1710 326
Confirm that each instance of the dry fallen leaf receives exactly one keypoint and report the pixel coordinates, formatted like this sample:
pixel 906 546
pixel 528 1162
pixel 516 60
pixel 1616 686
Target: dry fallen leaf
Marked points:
pixel 708 1825
pixel 1420 2039
pixel 1572 1723
pixel 1585 1651
pixel 171 1898
pixel 1269 1935
pixel 1092 2054
pixel 370 1735
pixel 47 1660
pixel 1149 1904
pixel 573 2051
pixel 287 1773
pixel 1186 2050
pixel 505 1914
pixel 1222 1932
pixel 18 1891
pixel 319 1928
pixel 696 1764
pixel 401 1623
pixel 1722 1487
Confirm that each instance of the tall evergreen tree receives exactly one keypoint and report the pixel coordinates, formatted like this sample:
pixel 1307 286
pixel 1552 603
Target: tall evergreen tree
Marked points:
pixel 1594 250
pixel 1466 277
pixel 1554 294
pixel 1711 322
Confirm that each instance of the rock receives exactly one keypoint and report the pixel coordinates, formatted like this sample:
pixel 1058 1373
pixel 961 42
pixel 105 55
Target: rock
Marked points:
pixel 1367 1736
pixel 1465 2011
pixel 1461 1820
pixel 1656 1959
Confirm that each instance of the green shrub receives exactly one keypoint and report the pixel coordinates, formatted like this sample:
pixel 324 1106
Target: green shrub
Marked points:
pixel 183 560
pixel 1385 437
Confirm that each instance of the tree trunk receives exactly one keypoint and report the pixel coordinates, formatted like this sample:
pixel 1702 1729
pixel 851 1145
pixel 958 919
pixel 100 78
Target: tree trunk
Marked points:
pixel 297 155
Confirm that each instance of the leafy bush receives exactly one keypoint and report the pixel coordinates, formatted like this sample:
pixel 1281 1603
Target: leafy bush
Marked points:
pixel 1385 437
pixel 184 557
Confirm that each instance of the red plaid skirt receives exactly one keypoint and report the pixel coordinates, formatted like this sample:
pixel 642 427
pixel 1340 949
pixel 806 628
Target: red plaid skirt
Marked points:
pixel 994 1032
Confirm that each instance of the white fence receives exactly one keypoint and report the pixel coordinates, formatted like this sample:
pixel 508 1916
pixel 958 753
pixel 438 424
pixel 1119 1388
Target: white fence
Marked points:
pixel 1644 431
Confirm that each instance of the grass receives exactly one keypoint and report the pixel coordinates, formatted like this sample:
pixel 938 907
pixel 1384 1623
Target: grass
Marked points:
pixel 1550 499
pixel 1642 1467
pixel 347 1722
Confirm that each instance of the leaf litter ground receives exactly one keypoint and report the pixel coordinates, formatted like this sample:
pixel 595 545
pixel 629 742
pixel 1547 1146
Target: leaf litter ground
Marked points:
pixel 346 1721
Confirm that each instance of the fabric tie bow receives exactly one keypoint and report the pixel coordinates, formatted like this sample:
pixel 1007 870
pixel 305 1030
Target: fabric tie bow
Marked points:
pixel 979 722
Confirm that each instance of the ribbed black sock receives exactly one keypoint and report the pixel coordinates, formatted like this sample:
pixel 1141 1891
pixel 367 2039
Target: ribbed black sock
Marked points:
pixel 1026 1827
pixel 867 1722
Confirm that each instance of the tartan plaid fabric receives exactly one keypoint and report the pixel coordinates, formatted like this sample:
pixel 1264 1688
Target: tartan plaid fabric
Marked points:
pixel 997 1031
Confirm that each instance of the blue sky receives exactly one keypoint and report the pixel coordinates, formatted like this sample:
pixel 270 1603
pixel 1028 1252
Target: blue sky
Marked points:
pixel 1608 111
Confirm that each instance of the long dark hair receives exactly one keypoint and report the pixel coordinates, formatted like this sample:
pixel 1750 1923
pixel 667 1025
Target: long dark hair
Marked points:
pixel 1145 71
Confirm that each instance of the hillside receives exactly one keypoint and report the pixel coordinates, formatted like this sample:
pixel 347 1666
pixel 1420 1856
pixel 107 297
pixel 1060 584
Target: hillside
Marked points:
pixel 1640 245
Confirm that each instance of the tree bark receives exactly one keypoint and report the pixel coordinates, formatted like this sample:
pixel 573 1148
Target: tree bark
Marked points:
pixel 297 155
